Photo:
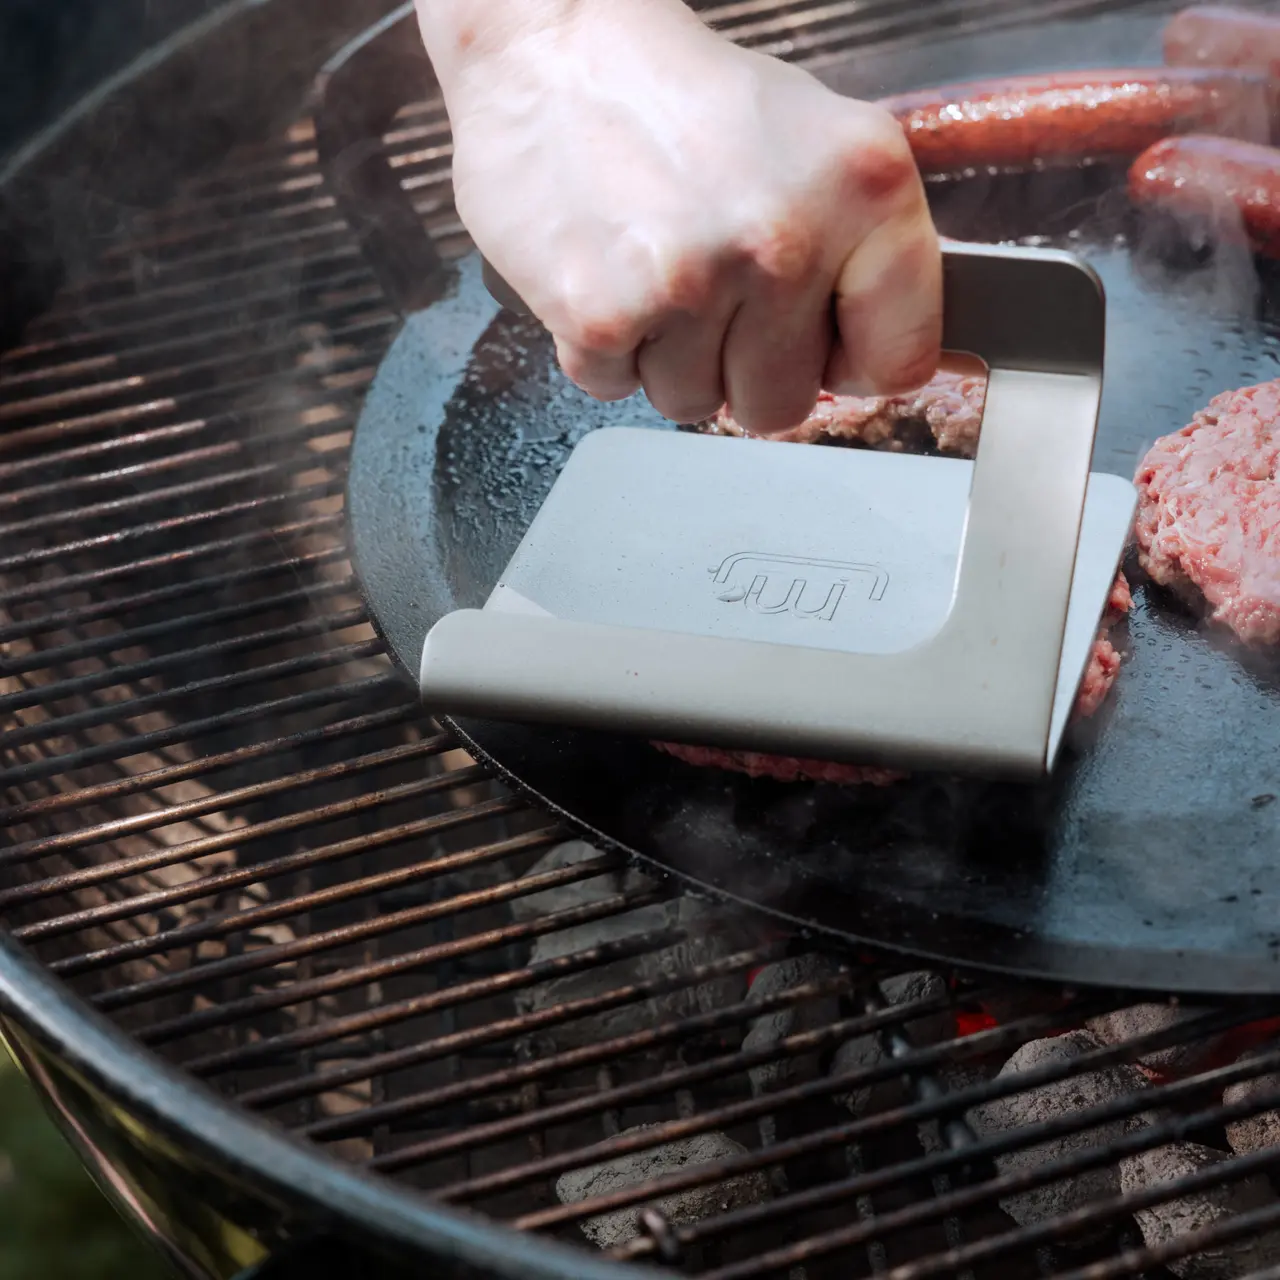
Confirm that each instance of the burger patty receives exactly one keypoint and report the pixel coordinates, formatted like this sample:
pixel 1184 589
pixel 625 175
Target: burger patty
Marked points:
pixel 1209 510
pixel 1099 676
pixel 950 406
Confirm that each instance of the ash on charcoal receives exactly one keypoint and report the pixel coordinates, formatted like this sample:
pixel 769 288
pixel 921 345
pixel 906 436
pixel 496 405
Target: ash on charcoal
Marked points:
pixel 1145 1019
pixel 711 933
pixel 953 1077
pixel 1165 1223
pixel 1050 1102
pixel 581 893
pixel 772 1028
pixel 1254 1133
pixel 866 1051
pixel 612 1229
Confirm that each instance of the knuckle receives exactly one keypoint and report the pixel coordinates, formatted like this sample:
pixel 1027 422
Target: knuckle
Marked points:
pixel 593 317
pixel 877 164
pixel 784 244
pixel 684 279
pixel 598 331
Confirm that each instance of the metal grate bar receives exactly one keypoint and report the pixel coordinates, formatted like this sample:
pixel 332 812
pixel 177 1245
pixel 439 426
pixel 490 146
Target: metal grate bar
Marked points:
pixel 193 730
pixel 950 1261
pixel 517 1126
pixel 169 525
pixel 446 997
pixel 289 271
pixel 154 779
pixel 281 1046
pixel 355 766
pixel 79 616
pixel 425 1051
pixel 218 926
pixel 234 839
pixel 318 624
pixel 1032 1135
pixel 590 1055
pixel 1243 1225
pixel 92 325
pixel 242 478
pixel 1137 1262
pixel 157 243
pixel 330 414
pixel 135 637
pixel 113 712
pixel 72 582
pixel 235 260
pixel 790 32
pixel 1170 1095
pixel 706 1121
pixel 308 397
pixel 312 433
pixel 240 329
pixel 281 953
pixel 155 380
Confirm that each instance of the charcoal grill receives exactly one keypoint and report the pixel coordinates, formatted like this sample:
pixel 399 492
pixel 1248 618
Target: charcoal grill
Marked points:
pixel 295 974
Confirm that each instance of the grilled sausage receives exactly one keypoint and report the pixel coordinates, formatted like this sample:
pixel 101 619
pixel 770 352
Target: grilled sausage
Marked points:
pixel 1209 176
pixel 1075 116
pixel 1210 35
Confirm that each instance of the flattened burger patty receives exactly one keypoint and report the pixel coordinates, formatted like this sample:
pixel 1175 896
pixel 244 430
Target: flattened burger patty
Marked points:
pixel 757 764
pixel 1099 676
pixel 949 407
pixel 1209 510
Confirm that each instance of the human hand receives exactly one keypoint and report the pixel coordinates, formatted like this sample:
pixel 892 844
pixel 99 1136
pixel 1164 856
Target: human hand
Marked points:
pixel 680 213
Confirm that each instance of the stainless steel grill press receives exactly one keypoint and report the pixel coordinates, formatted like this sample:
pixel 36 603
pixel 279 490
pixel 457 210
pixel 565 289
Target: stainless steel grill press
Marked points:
pixel 839 604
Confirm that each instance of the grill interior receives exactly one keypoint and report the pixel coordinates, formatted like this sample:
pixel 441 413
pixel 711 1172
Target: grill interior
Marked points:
pixel 231 828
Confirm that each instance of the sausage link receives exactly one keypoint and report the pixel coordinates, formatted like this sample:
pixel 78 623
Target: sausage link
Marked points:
pixel 1207 176
pixel 1210 35
pixel 1025 121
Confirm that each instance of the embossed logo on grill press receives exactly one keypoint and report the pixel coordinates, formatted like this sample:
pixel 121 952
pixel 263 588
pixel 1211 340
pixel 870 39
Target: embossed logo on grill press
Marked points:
pixel 797 585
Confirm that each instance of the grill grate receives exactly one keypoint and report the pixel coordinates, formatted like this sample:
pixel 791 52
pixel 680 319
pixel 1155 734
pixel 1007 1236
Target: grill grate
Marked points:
pixel 232 830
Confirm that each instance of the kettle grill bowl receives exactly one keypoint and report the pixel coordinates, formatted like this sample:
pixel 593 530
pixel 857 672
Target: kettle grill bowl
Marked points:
pixel 262 961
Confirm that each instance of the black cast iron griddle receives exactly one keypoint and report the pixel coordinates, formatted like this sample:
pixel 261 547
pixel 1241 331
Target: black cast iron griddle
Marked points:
pixel 1149 860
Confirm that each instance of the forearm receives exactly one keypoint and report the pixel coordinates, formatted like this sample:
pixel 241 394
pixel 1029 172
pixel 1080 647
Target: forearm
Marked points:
pixel 459 33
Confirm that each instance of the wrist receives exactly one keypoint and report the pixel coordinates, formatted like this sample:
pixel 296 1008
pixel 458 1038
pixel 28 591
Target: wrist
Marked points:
pixel 468 37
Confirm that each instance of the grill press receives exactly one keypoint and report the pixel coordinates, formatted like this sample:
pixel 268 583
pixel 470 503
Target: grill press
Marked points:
pixel 891 607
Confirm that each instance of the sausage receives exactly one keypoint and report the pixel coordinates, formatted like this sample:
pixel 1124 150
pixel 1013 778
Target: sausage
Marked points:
pixel 1207 176
pixel 1210 35
pixel 1026 121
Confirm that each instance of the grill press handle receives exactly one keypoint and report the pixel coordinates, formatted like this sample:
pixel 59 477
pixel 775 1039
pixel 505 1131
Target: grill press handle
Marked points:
pixel 993 307
pixel 978 695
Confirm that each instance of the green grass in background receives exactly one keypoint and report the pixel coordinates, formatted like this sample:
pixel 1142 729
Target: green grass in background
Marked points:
pixel 54 1223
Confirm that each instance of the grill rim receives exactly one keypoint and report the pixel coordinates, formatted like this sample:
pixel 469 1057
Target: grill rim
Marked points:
pixel 275 1166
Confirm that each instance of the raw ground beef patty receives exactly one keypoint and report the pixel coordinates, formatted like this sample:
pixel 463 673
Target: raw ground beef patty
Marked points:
pixel 950 409
pixel 1209 510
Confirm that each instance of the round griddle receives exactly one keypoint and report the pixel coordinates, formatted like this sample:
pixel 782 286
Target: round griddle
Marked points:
pixel 1149 860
